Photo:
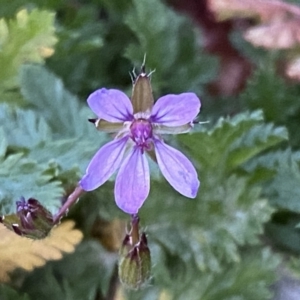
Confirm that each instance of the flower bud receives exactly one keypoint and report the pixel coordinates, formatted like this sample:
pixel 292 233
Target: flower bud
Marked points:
pixel 31 220
pixel 135 259
pixel 142 96
pixel 126 246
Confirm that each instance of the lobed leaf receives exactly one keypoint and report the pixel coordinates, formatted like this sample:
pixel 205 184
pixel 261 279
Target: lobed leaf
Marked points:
pixel 46 93
pixel 284 188
pixel 247 280
pixel 267 91
pixel 23 128
pixel 173 51
pixel 21 252
pixel 23 177
pixel 28 38
pixel 232 142
pixel 66 154
pixel 227 214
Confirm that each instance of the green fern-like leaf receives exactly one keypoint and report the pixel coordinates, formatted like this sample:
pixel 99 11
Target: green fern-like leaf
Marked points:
pixel 266 90
pixel 232 142
pixel 47 94
pixel 23 128
pixel 27 38
pixel 229 211
pixel 171 48
pixel 23 177
pixel 66 154
pixel 283 187
pixel 247 280
pixel 226 215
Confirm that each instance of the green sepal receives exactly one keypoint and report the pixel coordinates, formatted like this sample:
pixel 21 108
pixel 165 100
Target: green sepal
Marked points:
pixel 142 97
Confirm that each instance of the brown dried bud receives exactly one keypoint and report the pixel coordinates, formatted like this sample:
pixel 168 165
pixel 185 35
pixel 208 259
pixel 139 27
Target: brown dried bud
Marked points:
pixel 31 220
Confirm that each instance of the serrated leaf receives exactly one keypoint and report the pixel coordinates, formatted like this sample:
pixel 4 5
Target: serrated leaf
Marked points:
pixel 266 90
pixel 23 177
pixel 227 213
pixel 283 188
pixel 247 280
pixel 254 141
pixel 232 142
pixel 270 160
pixel 47 94
pixel 66 154
pixel 171 50
pixel 26 130
pixel 20 252
pixel 28 38
pixel 254 274
pixel 210 147
pixel 23 128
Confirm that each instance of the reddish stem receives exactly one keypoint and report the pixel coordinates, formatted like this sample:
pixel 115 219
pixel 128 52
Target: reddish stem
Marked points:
pixel 135 234
pixel 73 197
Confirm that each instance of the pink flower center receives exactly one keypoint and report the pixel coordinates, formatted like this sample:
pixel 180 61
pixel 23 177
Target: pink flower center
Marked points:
pixel 141 133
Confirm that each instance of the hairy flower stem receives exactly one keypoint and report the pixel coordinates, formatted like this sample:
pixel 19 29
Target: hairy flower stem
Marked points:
pixel 73 197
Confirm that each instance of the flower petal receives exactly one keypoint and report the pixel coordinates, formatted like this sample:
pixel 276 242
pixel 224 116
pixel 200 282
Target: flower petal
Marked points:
pixel 132 182
pixel 176 110
pixel 177 169
pixel 111 105
pixel 104 164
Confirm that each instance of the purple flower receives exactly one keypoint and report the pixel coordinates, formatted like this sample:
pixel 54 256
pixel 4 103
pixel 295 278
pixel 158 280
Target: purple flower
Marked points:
pixel 138 125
